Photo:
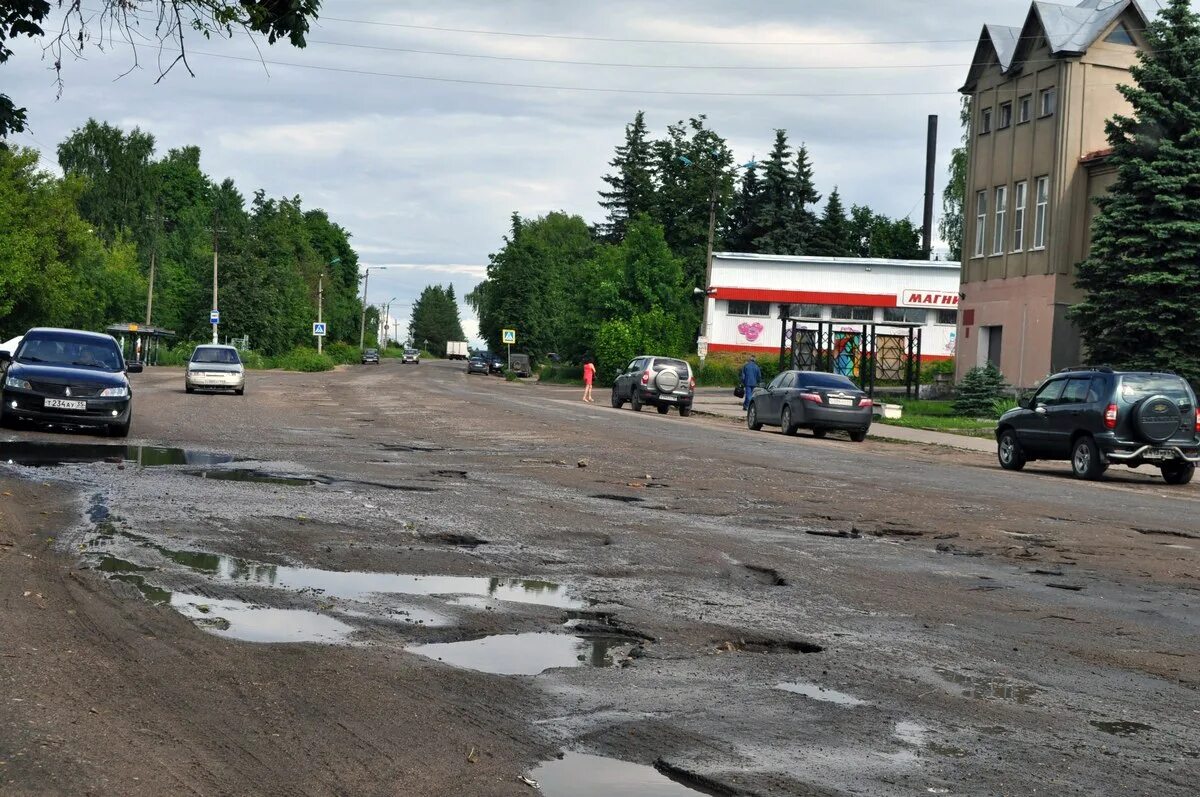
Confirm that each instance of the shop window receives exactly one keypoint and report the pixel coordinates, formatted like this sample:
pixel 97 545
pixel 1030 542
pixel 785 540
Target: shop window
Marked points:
pixel 741 307
pixel 907 315
pixel 947 317
pixel 848 313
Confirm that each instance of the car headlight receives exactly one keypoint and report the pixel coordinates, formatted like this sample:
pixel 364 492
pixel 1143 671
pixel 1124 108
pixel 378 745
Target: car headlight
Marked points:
pixel 17 384
pixel 114 392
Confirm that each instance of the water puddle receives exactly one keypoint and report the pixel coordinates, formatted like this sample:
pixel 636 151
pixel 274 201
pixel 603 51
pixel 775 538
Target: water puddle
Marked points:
pixel 524 654
pixel 818 692
pixel 582 775
pixel 912 733
pixel 1121 728
pixel 39 454
pixel 984 688
pixel 254 476
pixel 239 620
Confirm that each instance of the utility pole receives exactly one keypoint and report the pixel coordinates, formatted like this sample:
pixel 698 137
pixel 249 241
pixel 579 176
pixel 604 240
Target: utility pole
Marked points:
pixel 362 325
pixel 320 301
pixel 705 331
pixel 930 158
pixel 216 240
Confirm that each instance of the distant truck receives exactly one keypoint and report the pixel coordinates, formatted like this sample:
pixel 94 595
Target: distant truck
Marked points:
pixel 456 350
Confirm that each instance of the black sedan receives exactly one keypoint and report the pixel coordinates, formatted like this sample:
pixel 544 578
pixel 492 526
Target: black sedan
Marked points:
pixel 370 356
pixel 477 365
pixel 811 400
pixel 67 377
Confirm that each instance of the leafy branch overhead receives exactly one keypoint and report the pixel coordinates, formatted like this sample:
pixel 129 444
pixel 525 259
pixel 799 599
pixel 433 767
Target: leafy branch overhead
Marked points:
pixel 160 27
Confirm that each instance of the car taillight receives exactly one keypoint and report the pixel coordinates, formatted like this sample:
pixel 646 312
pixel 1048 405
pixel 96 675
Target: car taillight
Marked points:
pixel 866 403
pixel 692 386
pixel 1110 417
pixel 645 377
pixel 1198 420
pixel 813 397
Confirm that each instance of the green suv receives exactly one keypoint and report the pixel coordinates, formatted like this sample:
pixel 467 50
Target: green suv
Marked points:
pixel 1097 417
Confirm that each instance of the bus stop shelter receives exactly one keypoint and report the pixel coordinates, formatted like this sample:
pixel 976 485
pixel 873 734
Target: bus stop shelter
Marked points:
pixel 139 343
pixel 869 352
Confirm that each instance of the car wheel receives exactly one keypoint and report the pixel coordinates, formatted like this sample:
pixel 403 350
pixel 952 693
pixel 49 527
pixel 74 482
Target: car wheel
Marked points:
pixel 819 433
pixel 752 418
pixel 241 391
pixel 1085 459
pixel 663 409
pixel 685 410
pixel 189 389
pixel 785 422
pixel 635 401
pixel 1009 451
pixel 1178 472
pixel 616 399
pixel 859 435
pixel 121 430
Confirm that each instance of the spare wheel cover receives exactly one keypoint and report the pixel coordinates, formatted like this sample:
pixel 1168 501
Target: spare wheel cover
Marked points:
pixel 1157 418
pixel 667 380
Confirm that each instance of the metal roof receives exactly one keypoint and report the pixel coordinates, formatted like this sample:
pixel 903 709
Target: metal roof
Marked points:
pixel 839 261
pixel 1004 40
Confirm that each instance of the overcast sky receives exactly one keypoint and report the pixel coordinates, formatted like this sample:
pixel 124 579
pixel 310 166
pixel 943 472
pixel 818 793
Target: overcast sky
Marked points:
pixel 425 172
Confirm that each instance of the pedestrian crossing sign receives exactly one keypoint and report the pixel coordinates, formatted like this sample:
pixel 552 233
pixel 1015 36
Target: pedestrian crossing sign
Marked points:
pixel 508 336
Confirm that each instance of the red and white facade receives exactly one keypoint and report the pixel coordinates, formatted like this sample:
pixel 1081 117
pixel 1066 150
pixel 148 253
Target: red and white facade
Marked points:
pixel 748 291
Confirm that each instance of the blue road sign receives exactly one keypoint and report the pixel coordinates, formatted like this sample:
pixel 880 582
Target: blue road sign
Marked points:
pixel 214 317
pixel 319 328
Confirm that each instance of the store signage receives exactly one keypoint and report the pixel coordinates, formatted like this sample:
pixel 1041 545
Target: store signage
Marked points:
pixel 928 299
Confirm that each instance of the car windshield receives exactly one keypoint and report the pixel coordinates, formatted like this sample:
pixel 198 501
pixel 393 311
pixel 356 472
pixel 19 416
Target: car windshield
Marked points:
pixel 678 365
pixel 212 355
pixel 818 379
pixel 410 351
pixel 1135 387
pixel 71 352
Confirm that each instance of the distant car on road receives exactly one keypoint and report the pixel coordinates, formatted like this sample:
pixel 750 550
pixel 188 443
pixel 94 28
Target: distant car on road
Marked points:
pixel 370 356
pixel 662 382
pixel 811 400
pixel 1097 417
pixel 68 377
pixel 495 362
pixel 520 365
pixel 215 368
pixel 477 365
pixel 411 356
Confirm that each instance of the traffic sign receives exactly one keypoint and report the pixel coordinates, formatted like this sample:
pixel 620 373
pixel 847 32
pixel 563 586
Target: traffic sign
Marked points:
pixel 508 336
pixel 319 328
pixel 214 317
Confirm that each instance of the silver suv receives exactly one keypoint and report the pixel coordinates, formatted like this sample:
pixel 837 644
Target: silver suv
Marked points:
pixel 663 382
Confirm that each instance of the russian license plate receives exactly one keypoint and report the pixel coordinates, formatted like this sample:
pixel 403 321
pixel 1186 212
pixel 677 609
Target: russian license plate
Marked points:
pixel 667 398
pixel 840 402
pixel 64 404
pixel 1159 453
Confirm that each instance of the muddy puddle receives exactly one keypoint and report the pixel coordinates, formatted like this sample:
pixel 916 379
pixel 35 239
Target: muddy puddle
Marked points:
pixel 582 775
pixel 818 692
pixel 1121 727
pixel 239 620
pixel 982 687
pixel 525 654
pixel 254 477
pixel 39 454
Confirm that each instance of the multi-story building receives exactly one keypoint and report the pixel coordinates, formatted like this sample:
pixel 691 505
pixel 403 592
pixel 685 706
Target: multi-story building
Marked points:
pixel 1039 96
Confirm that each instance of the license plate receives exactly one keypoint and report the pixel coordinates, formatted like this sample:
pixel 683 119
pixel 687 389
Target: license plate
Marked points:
pixel 1159 453
pixel 837 402
pixel 667 398
pixel 64 404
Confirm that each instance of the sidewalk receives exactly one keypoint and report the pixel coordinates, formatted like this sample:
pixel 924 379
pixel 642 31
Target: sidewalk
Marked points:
pixel 722 403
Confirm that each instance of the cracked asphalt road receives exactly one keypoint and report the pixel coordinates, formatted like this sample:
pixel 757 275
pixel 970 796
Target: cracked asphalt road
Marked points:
pixel 945 627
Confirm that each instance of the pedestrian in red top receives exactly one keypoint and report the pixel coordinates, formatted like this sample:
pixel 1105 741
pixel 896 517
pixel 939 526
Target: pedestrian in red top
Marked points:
pixel 589 373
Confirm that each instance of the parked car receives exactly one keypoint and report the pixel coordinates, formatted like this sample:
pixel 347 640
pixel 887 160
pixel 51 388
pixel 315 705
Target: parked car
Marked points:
pixel 520 365
pixel 495 362
pixel 370 356
pixel 214 367
pixel 811 400
pixel 1097 417
pixel 11 345
pixel 411 356
pixel 662 382
pixel 68 377
pixel 477 365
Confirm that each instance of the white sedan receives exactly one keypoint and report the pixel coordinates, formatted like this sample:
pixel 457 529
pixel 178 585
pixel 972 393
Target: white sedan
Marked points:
pixel 215 368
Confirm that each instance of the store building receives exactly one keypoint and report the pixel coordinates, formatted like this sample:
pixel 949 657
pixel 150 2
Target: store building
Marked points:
pixel 750 296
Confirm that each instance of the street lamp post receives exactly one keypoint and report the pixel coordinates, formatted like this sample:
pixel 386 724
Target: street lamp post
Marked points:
pixel 386 320
pixel 362 324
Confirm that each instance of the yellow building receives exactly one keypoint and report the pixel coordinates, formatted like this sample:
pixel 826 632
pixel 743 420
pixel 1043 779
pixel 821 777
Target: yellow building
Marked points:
pixel 1040 96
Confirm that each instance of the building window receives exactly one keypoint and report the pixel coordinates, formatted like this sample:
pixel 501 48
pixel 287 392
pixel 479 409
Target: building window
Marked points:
pixel 1024 107
pixel 1001 213
pixel 739 307
pixel 1022 189
pixel 1120 35
pixel 1005 119
pixel 947 317
pixel 907 315
pixel 806 311
pixel 1046 102
pixel 847 313
pixel 980 221
pixel 985 121
pixel 1042 186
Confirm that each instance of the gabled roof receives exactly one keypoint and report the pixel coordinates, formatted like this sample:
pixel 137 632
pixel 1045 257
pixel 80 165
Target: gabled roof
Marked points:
pixel 1068 30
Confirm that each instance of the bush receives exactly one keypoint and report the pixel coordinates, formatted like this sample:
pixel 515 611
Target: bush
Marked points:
pixel 928 372
pixel 343 353
pixel 979 391
pixel 561 374
pixel 722 370
pixel 304 359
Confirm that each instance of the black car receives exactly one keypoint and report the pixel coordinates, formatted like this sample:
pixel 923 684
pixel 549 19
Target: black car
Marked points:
pixel 68 377
pixel 1096 417
pixel 495 362
pixel 477 365
pixel 811 400
pixel 370 356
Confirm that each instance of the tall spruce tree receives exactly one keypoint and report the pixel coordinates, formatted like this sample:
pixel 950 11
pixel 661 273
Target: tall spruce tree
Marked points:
pixel 632 184
pixel 742 226
pixel 834 235
pixel 805 197
pixel 1141 276
pixel 774 208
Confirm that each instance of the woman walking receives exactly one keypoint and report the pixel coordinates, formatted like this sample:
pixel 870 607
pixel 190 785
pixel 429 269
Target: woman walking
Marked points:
pixel 589 373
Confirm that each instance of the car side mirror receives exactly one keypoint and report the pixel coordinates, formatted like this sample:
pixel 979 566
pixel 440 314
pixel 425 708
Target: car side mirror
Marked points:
pixel 1023 404
pixel 1040 409
pixel 133 368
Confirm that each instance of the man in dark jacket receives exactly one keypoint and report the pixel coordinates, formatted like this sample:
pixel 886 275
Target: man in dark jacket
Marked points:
pixel 750 375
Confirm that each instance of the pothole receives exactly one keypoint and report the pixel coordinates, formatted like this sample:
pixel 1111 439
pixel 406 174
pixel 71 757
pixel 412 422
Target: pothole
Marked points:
pixel 818 692
pixel 250 623
pixel 453 538
pixel 625 499
pixel 981 687
pixel 1121 727
pixel 763 645
pixel 583 775
pixel 253 476
pixel 524 654
pixel 39 454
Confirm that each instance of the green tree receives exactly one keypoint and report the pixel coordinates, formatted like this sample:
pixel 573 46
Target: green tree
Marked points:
pixel 977 394
pixel 742 228
pixel 834 233
pixel 435 319
pixel 775 206
pixel 950 225
pixel 1140 310
pixel 120 181
pixel 632 189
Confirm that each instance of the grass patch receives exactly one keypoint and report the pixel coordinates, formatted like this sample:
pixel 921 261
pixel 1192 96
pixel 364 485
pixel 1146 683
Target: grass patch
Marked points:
pixel 561 375
pixel 971 427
